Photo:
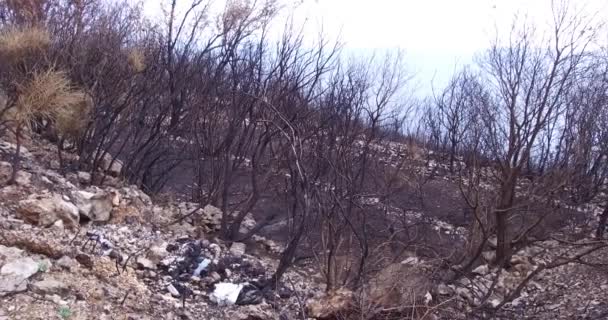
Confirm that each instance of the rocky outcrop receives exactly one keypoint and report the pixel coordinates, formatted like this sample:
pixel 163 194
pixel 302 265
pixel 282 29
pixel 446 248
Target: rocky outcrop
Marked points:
pixel 95 206
pixel 48 209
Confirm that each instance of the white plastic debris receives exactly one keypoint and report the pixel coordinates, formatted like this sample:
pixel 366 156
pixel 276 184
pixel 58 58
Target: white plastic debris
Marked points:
pixel 226 293
pixel 201 267
pixel 428 298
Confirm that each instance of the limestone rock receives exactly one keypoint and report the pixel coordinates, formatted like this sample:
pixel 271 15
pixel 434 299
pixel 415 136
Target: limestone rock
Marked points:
pixel 14 275
pixel 144 263
pixel 45 210
pixel 212 217
pixel 482 270
pixel 84 177
pixel 238 249
pixel 95 206
pixel 158 252
pixel 9 253
pixel 12 284
pixel 22 267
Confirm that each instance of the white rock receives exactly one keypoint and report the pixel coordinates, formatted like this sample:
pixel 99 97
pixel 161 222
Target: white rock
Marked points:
pixel 428 298
pixel 95 206
pixel 482 269
pixel 14 275
pixel 9 253
pixel 11 284
pixel 23 267
pixel 173 291
pixel 411 261
pixel 145 263
pixel 84 177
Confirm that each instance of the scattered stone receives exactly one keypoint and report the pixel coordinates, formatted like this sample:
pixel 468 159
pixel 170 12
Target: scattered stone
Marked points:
pixel 67 263
pixel 144 263
pixel 172 290
pixel 23 178
pixel 9 253
pixel 445 290
pixel 84 177
pixel 14 275
pixel 84 260
pixel 158 252
pixel 12 284
pixel 411 261
pixel 22 267
pixel 482 270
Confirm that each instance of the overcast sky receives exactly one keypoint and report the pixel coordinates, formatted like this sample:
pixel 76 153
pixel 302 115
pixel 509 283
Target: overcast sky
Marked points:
pixel 436 35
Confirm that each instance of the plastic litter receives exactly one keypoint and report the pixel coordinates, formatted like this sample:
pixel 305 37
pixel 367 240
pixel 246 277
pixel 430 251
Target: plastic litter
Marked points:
pixel 226 293
pixel 202 266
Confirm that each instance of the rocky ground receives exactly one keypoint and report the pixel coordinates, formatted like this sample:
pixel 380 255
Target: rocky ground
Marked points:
pixel 69 250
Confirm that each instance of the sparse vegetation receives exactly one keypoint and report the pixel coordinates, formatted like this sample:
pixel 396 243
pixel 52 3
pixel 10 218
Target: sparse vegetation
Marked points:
pixel 211 110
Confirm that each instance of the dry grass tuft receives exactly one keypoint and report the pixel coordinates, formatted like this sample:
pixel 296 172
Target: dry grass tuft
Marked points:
pixel 16 43
pixel 49 95
pixel 137 60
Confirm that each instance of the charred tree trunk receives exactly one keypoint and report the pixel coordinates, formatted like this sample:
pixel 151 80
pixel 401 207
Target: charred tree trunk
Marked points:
pixel 503 243
pixel 17 156
pixel 601 227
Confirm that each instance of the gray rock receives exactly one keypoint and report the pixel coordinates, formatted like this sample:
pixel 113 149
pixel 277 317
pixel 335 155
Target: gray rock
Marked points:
pixel 14 275
pixel 23 178
pixel 9 253
pixel 49 286
pixel 84 177
pixel 67 263
pixel 111 167
pixel 144 263
pixel 482 270
pixel 12 284
pixel 22 267
pixel 238 249
pixel 158 252
pixel 444 289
